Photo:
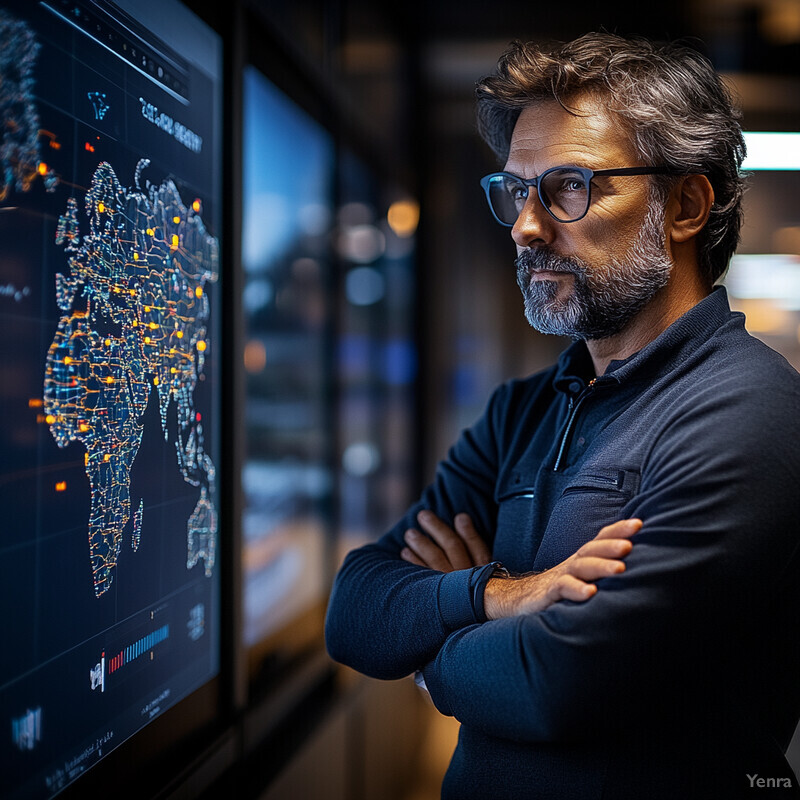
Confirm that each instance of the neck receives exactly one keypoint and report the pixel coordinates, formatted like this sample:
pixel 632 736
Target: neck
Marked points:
pixel 672 302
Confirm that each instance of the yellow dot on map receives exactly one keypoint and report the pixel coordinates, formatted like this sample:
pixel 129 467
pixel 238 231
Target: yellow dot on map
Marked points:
pixel 135 256
pixel 67 359
pixel 176 220
pixel 100 208
pixel 155 381
pixel 196 206
pixel 86 459
pixel 198 292
pixel 173 370
pixel 179 334
pixel 83 427
pixel 151 232
pixel 153 326
pixel 147 340
pixel 110 379
pixel 147 309
pixel 175 240
pixel 136 323
pixel 201 345
pixel 49 419
pixel 108 342
pixel 107 457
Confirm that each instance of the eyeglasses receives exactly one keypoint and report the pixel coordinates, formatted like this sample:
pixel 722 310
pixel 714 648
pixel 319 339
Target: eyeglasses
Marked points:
pixel 566 192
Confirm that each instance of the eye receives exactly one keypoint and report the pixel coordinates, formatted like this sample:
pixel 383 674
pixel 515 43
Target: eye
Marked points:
pixel 518 191
pixel 573 185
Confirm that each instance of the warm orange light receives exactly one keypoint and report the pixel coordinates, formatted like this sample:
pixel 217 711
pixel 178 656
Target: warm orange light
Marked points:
pixel 61 486
pixel 175 240
pixel 198 292
pixel 107 457
pixel 88 147
pixel 255 356
pixel 147 309
pixel 151 232
pixel 201 345
pixel 101 208
pixel 196 206
pixel 176 220
pixel 155 381
pixel 179 334
pixel 110 379
pixel 42 168
pixel 83 427
pixel 68 359
pixel 403 217
pixel 49 419
pixel 108 342
pixel 147 340
pixel 153 326
pixel 35 402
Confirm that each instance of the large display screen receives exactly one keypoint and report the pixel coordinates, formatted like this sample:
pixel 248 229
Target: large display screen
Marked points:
pixel 287 479
pixel 109 376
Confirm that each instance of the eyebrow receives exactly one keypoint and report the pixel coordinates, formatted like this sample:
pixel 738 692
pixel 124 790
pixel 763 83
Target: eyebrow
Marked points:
pixel 577 163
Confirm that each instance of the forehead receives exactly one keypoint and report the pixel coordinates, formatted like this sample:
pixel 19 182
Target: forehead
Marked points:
pixel 547 135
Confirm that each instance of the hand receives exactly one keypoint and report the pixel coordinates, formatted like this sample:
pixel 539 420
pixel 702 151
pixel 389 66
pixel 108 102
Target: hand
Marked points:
pixel 445 549
pixel 569 580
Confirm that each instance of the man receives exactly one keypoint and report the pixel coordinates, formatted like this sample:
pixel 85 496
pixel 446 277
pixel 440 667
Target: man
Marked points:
pixel 642 492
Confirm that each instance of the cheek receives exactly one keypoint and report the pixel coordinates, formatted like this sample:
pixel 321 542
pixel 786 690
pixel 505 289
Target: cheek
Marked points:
pixel 607 237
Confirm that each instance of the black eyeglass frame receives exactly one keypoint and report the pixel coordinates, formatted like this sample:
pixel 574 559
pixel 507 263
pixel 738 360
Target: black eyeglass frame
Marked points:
pixel 587 174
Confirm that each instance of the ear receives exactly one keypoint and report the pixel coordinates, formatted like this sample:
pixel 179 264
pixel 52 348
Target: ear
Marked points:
pixel 691 203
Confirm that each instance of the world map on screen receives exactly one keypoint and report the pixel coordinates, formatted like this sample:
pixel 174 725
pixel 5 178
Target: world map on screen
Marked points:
pixel 134 316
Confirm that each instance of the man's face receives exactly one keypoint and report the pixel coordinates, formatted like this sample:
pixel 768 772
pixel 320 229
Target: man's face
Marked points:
pixel 585 279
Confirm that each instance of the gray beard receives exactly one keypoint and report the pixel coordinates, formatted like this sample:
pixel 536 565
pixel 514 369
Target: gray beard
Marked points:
pixel 598 305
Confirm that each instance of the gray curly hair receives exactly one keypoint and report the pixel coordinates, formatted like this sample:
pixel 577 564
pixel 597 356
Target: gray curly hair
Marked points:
pixel 673 103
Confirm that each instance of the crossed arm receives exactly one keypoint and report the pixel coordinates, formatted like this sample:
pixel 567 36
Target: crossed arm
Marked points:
pixel 720 520
pixel 446 549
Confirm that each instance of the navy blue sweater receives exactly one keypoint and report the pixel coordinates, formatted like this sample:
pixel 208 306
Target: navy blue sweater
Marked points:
pixel 681 676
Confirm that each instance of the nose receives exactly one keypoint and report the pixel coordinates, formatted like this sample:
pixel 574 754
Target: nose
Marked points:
pixel 534 225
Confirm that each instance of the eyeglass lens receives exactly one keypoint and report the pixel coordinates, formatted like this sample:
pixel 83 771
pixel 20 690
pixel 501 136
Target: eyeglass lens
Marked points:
pixel 564 192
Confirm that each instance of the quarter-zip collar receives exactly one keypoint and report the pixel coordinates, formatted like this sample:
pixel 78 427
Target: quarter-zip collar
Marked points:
pixel 658 357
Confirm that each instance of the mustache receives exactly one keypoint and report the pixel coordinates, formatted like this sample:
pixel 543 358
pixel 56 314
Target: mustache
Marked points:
pixel 544 260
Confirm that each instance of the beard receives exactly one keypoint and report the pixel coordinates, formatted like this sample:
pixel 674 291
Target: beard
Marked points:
pixel 601 301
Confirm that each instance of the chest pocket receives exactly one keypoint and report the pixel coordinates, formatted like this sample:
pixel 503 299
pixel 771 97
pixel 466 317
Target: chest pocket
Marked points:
pixel 590 500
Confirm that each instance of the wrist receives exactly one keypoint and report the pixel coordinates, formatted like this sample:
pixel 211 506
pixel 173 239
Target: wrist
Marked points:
pixel 496 596
pixel 481 576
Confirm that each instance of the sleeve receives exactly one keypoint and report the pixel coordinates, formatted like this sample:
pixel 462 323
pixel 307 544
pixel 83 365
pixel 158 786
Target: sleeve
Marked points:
pixel 715 561
pixel 386 617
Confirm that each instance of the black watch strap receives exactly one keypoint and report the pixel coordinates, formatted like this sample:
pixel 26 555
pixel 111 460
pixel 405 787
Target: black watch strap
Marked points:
pixel 478 580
